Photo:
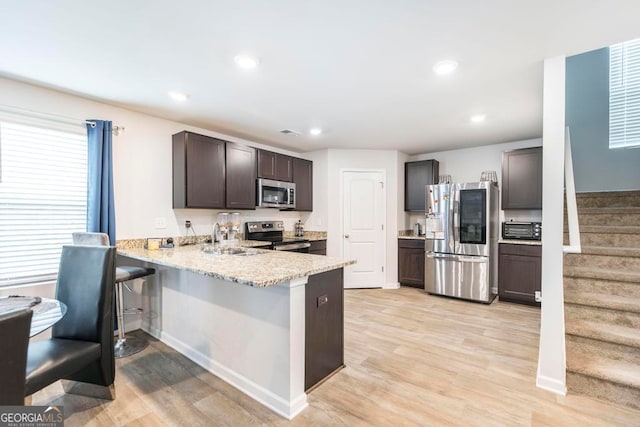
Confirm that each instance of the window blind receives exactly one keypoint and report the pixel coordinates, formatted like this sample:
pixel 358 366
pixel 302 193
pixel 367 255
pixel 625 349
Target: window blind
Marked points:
pixel 43 198
pixel 624 95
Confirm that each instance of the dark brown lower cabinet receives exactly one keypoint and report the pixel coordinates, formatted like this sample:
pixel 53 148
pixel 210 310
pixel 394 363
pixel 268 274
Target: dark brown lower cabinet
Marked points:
pixel 411 262
pixel 324 326
pixel 519 273
pixel 318 247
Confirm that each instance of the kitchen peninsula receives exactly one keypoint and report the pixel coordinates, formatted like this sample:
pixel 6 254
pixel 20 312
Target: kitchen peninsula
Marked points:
pixel 270 323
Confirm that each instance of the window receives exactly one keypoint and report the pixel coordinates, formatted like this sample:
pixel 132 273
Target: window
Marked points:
pixel 43 198
pixel 624 95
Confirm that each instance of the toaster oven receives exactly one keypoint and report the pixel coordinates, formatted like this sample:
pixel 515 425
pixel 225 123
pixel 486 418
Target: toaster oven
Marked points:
pixel 522 230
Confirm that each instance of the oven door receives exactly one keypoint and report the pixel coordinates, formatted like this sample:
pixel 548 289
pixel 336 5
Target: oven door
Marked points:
pixel 294 247
pixel 275 194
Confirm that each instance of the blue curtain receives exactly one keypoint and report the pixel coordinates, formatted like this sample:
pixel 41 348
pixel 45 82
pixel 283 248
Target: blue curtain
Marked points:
pixel 101 215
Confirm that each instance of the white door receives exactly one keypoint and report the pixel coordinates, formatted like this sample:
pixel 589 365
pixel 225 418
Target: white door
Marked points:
pixel 363 228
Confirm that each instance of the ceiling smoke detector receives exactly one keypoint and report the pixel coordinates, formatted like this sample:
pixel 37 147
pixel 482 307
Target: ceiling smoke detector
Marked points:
pixel 290 132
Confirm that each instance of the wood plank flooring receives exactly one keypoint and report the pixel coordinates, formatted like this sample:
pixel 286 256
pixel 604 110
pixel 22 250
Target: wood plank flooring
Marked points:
pixel 412 360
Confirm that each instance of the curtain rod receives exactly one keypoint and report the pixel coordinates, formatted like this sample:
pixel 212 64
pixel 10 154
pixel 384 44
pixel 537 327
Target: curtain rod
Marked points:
pixel 56 117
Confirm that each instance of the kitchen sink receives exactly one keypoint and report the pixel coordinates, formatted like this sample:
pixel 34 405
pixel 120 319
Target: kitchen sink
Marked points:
pixel 229 251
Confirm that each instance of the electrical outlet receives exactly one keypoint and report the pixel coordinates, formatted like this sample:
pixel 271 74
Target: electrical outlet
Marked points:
pixel 160 222
pixel 538 296
pixel 187 224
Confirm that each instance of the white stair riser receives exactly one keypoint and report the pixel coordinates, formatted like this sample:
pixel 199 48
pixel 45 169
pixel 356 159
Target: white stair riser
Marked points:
pixel 597 314
pixel 578 285
pixel 592 347
pixel 620 199
pixel 601 389
pixel 610 219
pixel 614 262
pixel 608 239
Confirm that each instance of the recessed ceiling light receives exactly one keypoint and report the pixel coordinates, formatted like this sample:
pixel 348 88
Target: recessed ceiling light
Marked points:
pixel 178 96
pixel 445 67
pixel 478 118
pixel 245 61
pixel 315 131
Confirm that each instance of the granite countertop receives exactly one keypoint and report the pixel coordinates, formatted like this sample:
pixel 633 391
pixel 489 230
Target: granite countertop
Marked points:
pixel 521 242
pixel 408 234
pixel 266 268
pixel 308 235
pixel 421 237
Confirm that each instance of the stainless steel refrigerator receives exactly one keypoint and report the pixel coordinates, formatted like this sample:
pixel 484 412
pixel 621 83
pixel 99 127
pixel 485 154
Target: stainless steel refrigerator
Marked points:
pixel 461 242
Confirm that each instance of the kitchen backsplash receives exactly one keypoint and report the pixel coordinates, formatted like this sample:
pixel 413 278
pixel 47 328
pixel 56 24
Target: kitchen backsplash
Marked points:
pixel 202 220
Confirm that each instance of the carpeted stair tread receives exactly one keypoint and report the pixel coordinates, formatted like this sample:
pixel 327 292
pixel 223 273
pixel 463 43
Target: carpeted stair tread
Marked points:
pixel 616 371
pixel 604 332
pixel 602 273
pixel 614 229
pixel 611 210
pixel 612 251
pixel 613 302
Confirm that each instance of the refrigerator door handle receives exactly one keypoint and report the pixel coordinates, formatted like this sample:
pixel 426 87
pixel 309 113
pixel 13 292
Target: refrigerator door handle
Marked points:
pixel 479 259
pixel 432 255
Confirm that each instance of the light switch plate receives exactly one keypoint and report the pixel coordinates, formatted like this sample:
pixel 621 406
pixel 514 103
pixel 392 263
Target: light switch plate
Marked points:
pixel 160 222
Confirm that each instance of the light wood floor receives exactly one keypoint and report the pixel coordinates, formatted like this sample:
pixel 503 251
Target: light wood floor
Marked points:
pixel 412 359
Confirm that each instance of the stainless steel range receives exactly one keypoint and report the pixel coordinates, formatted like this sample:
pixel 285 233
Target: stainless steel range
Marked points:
pixel 273 231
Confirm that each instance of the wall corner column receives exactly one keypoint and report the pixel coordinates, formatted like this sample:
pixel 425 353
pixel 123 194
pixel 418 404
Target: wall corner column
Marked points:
pixel 551 373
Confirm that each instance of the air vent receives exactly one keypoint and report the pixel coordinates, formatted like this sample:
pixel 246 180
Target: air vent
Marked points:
pixel 290 132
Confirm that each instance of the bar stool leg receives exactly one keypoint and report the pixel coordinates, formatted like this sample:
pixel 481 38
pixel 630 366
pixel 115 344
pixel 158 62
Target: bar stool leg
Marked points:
pixel 120 314
pixel 125 346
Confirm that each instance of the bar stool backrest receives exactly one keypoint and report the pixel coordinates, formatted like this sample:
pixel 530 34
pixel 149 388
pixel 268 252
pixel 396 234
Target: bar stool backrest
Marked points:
pixel 90 239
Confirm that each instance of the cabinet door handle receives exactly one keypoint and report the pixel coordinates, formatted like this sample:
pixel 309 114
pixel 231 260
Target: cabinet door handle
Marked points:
pixel 346 236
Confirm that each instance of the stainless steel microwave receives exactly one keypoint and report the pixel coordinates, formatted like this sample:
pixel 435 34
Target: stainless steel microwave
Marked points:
pixel 276 194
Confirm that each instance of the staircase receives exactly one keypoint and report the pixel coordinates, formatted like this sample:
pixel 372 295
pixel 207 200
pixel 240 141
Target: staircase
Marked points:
pixel 602 299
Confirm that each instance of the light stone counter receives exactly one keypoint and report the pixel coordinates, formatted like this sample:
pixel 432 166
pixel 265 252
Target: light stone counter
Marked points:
pixel 253 337
pixel 521 242
pixel 409 235
pixel 266 268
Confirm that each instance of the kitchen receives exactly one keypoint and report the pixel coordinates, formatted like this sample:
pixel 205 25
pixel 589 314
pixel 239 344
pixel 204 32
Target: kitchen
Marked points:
pixel 375 342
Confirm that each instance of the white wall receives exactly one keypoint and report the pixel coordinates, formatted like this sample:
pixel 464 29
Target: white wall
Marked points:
pixel 551 359
pixel 317 220
pixel 466 165
pixel 403 217
pixel 327 166
pixel 142 162
pixel 142 172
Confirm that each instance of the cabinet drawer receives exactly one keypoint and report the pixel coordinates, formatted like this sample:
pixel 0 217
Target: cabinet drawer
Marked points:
pixel 411 243
pixel 522 250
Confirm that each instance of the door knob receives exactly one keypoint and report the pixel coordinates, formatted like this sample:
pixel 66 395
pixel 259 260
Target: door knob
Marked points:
pixel 346 236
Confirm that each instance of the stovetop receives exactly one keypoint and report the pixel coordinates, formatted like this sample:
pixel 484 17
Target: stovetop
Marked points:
pixel 270 231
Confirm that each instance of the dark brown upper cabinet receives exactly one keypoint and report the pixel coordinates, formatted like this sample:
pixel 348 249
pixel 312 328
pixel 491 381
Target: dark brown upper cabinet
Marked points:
pixel 241 176
pixel 303 178
pixel 275 166
pixel 417 175
pixel 522 179
pixel 198 171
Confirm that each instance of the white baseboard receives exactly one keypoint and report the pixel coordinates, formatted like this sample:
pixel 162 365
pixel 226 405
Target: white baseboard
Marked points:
pixel 154 332
pixel 391 285
pixel 551 384
pixel 287 409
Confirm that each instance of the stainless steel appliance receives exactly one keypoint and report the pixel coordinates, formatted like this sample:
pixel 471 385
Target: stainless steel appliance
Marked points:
pixel 276 194
pixel 522 230
pixel 273 231
pixel 461 241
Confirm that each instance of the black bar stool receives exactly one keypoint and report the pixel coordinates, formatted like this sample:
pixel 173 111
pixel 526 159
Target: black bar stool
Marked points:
pixel 124 346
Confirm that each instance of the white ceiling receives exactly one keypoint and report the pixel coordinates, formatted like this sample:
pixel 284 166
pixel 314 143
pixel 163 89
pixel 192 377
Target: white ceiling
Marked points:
pixel 360 69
